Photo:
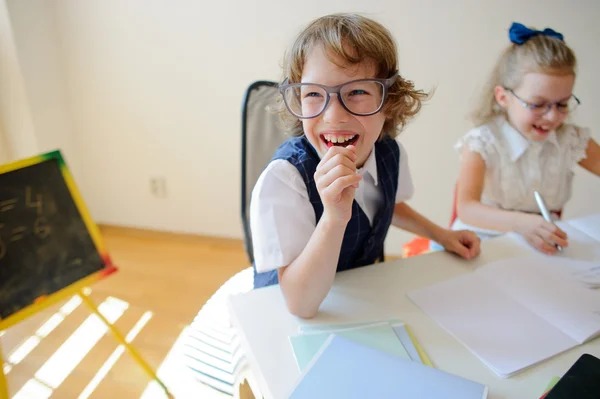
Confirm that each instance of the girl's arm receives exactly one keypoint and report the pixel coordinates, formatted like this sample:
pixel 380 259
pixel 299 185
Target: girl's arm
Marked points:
pixel 469 188
pixel 592 160
pixel 463 243
pixel 534 228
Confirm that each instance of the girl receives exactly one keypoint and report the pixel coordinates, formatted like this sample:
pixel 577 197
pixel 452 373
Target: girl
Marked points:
pixel 328 197
pixel 522 143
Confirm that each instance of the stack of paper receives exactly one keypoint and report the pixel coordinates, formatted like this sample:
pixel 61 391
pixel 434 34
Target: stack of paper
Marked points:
pixel 343 368
pixel 581 258
pixel 525 310
pixel 390 336
pixel 587 273
pixel 589 225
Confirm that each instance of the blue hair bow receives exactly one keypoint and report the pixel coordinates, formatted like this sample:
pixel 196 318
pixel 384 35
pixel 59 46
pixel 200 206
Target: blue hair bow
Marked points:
pixel 519 33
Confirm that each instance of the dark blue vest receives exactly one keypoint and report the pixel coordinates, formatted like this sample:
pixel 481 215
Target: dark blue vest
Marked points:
pixel 362 244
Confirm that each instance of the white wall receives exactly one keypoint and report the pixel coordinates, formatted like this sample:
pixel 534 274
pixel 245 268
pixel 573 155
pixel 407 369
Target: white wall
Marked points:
pixel 41 58
pixel 4 151
pixel 154 88
pixel 18 138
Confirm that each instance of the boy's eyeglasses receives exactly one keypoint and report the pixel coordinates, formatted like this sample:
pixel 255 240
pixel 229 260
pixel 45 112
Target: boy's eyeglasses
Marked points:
pixel 564 107
pixel 362 97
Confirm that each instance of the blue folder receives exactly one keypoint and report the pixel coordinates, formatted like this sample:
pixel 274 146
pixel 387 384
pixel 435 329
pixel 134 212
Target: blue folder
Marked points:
pixel 347 369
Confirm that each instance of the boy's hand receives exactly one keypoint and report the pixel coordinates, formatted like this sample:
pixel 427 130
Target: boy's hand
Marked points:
pixel 462 242
pixel 540 234
pixel 336 181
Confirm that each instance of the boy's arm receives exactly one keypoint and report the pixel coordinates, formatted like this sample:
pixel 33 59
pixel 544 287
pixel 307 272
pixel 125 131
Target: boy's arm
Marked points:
pixel 591 162
pixel 285 232
pixel 534 228
pixel 463 243
pixel 408 219
pixel 306 281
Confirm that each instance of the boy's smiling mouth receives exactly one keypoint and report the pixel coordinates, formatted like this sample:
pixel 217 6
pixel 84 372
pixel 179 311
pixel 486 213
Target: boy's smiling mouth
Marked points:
pixel 340 140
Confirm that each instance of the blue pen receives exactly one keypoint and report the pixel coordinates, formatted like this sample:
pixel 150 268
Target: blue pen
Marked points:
pixel 542 205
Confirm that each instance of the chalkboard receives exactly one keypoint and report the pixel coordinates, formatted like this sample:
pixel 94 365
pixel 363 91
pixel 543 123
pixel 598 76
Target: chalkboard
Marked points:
pixel 48 242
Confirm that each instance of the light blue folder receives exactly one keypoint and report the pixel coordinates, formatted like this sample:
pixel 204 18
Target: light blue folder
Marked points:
pixel 379 336
pixel 346 369
pixel 397 325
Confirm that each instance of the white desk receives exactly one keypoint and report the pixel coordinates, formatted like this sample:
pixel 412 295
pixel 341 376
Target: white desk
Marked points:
pixel 379 292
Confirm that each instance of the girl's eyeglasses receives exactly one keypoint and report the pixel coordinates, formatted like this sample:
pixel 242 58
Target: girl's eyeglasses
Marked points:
pixel 564 107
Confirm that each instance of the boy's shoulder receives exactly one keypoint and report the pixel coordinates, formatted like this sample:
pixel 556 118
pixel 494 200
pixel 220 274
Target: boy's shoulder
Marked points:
pixel 388 141
pixel 299 153
pixel 387 148
pixel 292 147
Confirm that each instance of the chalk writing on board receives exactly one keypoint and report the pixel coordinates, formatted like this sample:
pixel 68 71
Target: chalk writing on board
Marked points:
pixel 45 240
pixel 37 204
pixel 41 228
pixel 7 205
pixel 18 233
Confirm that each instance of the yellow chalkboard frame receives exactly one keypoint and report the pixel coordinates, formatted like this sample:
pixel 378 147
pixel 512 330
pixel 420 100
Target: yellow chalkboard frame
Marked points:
pixel 44 302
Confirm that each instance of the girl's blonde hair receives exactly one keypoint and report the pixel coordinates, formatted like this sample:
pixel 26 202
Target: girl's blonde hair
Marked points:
pixel 351 39
pixel 540 53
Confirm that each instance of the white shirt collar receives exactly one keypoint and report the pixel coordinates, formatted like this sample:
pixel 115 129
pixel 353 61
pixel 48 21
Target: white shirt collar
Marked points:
pixel 370 167
pixel 517 143
pixel 553 138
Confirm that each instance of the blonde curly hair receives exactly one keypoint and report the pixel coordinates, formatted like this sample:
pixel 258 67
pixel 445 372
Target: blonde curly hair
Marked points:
pixel 353 39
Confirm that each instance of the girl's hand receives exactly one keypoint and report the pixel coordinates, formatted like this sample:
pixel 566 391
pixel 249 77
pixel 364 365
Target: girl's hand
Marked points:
pixel 540 234
pixel 336 181
pixel 462 242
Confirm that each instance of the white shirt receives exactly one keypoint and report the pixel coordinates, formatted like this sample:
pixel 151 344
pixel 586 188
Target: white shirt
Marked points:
pixel 282 219
pixel 516 167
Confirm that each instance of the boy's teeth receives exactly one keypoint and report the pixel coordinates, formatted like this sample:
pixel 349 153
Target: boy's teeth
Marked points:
pixel 337 139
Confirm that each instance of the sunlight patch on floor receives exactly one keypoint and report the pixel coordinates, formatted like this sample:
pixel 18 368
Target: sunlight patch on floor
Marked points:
pixel 32 342
pixel 62 362
pixel 112 359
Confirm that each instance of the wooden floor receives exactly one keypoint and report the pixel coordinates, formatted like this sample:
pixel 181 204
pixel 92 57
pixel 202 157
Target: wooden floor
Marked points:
pixel 169 275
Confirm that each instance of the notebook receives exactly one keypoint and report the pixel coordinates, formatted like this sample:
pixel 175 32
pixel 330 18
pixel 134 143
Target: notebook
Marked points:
pixel 589 225
pixel 346 369
pixel 527 310
pixel 403 332
pixel 583 249
pixel 379 336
